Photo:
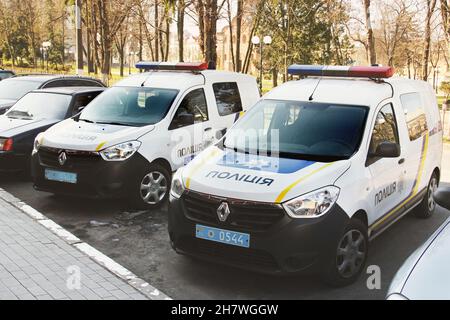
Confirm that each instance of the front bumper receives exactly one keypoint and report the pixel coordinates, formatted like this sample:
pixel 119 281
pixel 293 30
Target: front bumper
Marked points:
pixel 288 246
pixel 95 176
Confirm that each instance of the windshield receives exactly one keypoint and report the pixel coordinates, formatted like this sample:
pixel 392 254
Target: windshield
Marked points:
pixel 304 130
pixel 41 105
pixel 15 89
pixel 130 106
pixel 5 75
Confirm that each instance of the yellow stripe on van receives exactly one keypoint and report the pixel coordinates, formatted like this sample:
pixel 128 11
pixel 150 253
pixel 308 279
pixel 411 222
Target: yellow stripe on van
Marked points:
pixel 289 188
pixel 415 188
pixel 100 146
pixel 200 163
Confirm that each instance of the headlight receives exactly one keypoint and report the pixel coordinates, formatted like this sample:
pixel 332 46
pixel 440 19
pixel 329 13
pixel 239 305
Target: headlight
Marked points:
pixel 313 204
pixel 37 142
pixel 120 152
pixel 177 188
pixel 396 296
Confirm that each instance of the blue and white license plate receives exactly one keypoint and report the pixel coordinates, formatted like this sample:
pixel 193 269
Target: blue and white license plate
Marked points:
pixel 60 176
pixel 222 236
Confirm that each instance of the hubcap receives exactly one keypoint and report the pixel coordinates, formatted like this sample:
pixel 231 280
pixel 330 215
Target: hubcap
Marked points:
pixel 351 253
pixel 153 187
pixel 432 188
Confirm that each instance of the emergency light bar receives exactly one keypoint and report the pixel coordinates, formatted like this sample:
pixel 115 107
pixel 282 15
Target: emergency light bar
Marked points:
pixel 180 66
pixel 341 71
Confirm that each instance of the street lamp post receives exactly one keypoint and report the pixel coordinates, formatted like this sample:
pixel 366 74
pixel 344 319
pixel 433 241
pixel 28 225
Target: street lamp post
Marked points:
pixel 267 40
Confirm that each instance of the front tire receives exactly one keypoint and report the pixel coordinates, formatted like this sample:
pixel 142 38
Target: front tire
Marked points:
pixel 428 206
pixel 349 257
pixel 151 189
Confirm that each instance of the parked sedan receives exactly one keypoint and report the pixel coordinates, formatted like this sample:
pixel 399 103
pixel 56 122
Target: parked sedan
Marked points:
pixel 34 113
pixel 12 89
pixel 425 274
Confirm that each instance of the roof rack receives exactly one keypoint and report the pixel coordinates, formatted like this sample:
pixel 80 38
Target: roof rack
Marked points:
pixel 373 72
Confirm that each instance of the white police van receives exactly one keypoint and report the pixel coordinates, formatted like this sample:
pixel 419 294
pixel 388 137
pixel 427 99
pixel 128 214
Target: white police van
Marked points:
pixel 130 139
pixel 310 174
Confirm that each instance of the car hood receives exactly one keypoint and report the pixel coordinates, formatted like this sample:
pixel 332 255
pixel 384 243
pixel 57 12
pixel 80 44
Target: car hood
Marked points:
pixel 10 127
pixel 227 173
pixel 430 279
pixel 77 135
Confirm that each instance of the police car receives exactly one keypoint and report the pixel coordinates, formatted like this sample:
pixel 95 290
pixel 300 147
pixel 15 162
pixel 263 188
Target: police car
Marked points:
pixel 310 174
pixel 132 137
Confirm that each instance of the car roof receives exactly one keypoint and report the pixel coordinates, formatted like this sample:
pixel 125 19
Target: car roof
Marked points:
pixel 70 90
pixel 181 80
pixel 350 91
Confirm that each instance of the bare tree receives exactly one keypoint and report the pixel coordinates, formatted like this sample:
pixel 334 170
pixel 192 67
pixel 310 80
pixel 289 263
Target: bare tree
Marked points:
pixel 370 38
pixel 431 7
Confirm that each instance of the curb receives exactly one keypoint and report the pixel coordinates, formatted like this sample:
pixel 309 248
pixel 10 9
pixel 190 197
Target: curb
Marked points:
pixel 109 264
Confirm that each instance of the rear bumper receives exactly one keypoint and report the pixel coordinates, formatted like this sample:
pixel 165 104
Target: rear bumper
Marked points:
pixel 100 178
pixel 12 162
pixel 290 246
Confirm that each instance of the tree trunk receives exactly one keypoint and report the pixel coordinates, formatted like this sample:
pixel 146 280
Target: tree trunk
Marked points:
pixel 238 35
pixel 431 5
pixel 156 31
pixel 370 38
pixel 211 31
pixel 230 27
pixel 180 29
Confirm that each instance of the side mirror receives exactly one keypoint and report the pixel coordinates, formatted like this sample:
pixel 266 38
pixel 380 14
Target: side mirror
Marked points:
pixel 387 150
pixel 183 120
pixel 220 133
pixel 442 197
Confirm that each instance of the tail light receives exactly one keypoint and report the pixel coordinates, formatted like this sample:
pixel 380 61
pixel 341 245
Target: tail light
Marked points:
pixel 6 144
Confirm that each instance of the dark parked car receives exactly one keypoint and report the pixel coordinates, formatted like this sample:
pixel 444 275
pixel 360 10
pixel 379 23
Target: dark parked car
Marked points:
pixel 35 112
pixel 12 89
pixel 5 74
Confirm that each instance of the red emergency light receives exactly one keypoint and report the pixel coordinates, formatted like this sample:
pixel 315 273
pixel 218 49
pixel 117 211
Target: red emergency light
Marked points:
pixel 377 72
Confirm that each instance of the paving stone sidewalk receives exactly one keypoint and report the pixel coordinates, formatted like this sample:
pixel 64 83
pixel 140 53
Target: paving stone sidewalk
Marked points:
pixel 35 263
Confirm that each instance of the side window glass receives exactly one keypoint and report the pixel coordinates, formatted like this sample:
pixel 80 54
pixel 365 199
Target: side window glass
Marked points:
pixel 228 98
pixel 193 109
pixel 416 121
pixel 82 100
pixel 385 129
pixel 55 84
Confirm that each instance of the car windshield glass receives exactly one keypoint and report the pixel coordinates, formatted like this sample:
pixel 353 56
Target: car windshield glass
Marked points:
pixel 304 130
pixel 5 75
pixel 41 105
pixel 14 89
pixel 130 106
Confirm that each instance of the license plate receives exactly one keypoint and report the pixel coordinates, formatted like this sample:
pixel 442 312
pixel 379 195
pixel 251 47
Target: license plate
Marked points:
pixel 61 176
pixel 223 236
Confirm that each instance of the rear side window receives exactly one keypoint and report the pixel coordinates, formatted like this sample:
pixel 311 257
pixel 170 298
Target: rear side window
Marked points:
pixel 416 120
pixel 228 98
pixel 72 83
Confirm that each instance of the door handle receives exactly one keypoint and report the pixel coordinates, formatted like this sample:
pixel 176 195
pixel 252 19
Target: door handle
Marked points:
pixel 401 161
pixel 208 129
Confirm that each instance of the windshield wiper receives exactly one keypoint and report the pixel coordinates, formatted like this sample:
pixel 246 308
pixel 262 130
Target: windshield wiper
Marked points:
pixel 118 123
pixel 86 120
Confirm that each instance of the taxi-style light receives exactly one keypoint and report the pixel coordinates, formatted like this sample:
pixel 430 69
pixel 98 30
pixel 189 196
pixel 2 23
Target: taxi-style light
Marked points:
pixel 377 72
pixel 180 66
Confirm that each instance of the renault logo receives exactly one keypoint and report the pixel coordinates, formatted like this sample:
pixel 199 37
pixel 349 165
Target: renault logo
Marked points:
pixel 223 211
pixel 62 158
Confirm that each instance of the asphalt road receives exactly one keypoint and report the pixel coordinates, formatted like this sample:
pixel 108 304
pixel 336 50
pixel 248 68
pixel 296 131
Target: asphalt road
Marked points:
pixel 139 241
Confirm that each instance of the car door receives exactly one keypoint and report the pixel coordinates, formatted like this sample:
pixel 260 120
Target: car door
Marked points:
pixel 387 174
pixel 190 127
